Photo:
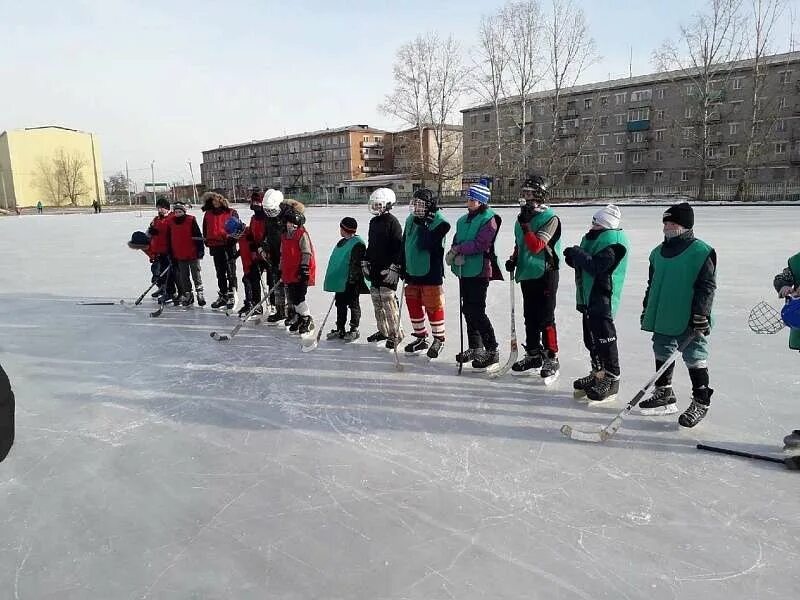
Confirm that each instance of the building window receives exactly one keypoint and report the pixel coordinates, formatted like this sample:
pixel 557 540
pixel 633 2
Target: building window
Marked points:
pixel 658 176
pixel 620 119
pixel 736 105
pixel 619 138
pixel 711 152
pixel 586 159
pixel 688 132
pixel 619 98
pixel 603 100
pixel 639 114
pixel 660 135
pixel 619 157
pixel 733 128
pixel 660 114
pixel 686 152
pixel 784 77
pixel 602 158
pixel 641 95
pixel 684 175
pixel 603 121
pixel 474 135
pixel 737 83
pixel 709 174
pixel 587 103
pixel 687 113
pixel 730 174
pixel 781 102
pixel 689 90
pixel 587 122
pixel 636 157
pixel 780 147
pixel 602 139
pixel 780 125
pixel 662 92
pixel 486 151
pixel 732 150
pixel 638 137
pixel 486 117
pixel 486 135
pixel 659 155
pixel 539 128
pixel 540 145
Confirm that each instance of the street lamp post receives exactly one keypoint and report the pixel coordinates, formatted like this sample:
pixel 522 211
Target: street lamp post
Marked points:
pixel 153 180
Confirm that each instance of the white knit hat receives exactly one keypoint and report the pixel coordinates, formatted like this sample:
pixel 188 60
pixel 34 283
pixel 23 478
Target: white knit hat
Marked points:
pixel 608 217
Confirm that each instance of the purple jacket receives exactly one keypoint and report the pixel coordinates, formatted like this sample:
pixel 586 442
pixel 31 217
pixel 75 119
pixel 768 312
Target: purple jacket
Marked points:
pixel 481 245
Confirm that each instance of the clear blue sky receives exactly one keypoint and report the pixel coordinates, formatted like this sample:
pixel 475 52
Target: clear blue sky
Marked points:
pixel 164 80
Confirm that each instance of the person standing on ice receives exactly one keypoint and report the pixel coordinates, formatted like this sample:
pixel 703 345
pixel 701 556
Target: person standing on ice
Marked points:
pixel 472 259
pixel 298 267
pixel 787 284
pixel 159 250
pixel 345 279
pixel 185 245
pixel 253 263
pixel 677 304
pixel 6 415
pixel 381 266
pixel 39 207
pixel 535 262
pixel 270 253
pixel 423 268
pixel 600 263
pixel 221 246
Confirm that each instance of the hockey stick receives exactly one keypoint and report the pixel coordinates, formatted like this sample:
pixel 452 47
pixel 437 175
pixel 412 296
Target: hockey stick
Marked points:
pixel 460 319
pixel 315 343
pixel 609 430
pixel 512 357
pixel 138 301
pixel 792 462
pixel 397 364
pixel 96 303
pixel 222 337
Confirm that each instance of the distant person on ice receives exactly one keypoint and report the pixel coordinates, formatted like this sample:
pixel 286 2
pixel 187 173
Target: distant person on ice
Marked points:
pixel 677 304
pixel 382 266
pixel 787 284
pixel 600 263
pixel 535 263
pixel 6 415
pixel 423 270
pixel 221 246
pixel 344 277
pixel 472 259
pixel 39 207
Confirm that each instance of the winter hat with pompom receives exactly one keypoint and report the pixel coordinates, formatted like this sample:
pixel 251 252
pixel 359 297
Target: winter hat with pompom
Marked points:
pixel 607 217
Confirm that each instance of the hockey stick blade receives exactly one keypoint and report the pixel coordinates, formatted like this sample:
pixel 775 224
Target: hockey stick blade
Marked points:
pixel 220 337
pixel 96 303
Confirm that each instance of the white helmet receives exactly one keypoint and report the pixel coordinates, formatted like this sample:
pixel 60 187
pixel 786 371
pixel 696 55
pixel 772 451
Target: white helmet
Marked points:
pixel 381 201
pixel 272 202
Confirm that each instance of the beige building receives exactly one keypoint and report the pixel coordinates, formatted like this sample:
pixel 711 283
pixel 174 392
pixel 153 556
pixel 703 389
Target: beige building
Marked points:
pixel 406 151
pixel 55 165
pixel 314 162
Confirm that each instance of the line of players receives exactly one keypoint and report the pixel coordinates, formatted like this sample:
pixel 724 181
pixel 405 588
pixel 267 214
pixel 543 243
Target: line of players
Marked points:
pixel 677 304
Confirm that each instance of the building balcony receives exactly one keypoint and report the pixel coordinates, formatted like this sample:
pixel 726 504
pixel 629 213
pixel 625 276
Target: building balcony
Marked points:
pixel 274 151
pixel 372 144
pixel 371 169
pixel 642 145
pixel 571 113
pixel 642 125
pixel 371 156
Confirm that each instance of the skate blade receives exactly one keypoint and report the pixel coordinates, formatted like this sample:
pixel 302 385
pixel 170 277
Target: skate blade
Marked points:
pixel 660 411
pixel 415 353
pixel 309 347
pixel 580 395
pixel 551 379
pixel 487 370
pixel 607 400
pixel 521 373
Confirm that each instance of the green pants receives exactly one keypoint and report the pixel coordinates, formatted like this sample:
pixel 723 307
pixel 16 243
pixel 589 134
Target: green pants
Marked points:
pixel 695 355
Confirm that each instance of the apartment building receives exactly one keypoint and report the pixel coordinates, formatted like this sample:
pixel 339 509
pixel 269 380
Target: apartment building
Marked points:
pixel 651 129
pixel 309 162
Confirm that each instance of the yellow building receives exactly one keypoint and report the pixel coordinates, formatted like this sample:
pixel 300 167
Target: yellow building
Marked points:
pixel 54 165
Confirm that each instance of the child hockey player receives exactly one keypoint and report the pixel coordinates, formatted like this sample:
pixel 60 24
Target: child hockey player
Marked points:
pixel 253 263
pixel 344 277
pixel 787 284
pixel 600 264
pixel 298 267
pixel 270 253
pixel 382 266
pixel 185 249
pixel 535 263
pixel 158 251
pixel 222 248
pixel 472 259
pixel 423 268
pixel 677 304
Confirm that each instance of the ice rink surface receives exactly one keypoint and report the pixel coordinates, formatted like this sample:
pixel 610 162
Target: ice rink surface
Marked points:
pixel 154 462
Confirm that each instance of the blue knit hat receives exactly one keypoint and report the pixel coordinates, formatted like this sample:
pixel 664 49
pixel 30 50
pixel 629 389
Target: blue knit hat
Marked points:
pixel 479 192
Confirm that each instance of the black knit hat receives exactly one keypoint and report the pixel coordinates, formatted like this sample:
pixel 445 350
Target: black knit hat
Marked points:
pixel 162 203
pixel 349 224
pixel 682 214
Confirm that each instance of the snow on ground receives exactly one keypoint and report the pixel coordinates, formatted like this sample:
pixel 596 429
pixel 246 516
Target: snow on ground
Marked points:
pixel 154 462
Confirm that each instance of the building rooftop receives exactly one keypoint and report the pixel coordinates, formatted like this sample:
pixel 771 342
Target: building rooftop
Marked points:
pixel 447 127
pixel 306 134
pixel 45 127
pixel 787 57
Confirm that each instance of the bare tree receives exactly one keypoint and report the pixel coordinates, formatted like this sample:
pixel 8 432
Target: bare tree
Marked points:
pixel 46 181
pixel 491 60
pixel 763 18
pixel 571 50
pixel 429 84
pixel 702 57
pixel 69 168
pixel 524 22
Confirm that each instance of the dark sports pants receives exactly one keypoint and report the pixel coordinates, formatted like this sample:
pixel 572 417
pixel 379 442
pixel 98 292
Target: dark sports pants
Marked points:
pixel 225 266
pixel 252 281
pixel 480 333
pixel 161 262
pixel 539 308
pixel 348 299
pixel 600 339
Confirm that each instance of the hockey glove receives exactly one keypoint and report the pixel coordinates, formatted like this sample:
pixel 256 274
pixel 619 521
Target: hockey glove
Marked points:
pixel 511 264
pixel 391 276
pixel 450 257
pixel 303 274
pixel 569 255
pixel 365 268
pixel 787 291
pixel 701 325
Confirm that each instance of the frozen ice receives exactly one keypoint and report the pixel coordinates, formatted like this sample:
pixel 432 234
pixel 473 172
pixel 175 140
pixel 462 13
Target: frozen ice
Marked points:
pixel 154 462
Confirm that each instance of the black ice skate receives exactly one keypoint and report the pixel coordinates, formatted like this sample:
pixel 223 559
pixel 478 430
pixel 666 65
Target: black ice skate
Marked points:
pixel 604 389
pixel 531 360
pixel 246 308
pixel 417 346
pixel 219 302
pixel 187 299
pixel 436 348
pixel 294 325
pixel 487 360
pixel 230 301
pixel 791 443
pixel 201 300
pixel 579 386
pixel 335 334
pixel 306 325
pixel 376 337
pixel 662 402
pixel 352 335
pixel 550 369
pixel 701 399
pixel 468 355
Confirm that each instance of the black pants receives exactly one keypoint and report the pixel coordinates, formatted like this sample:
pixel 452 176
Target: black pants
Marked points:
pixel 252 282
pixel 348 299
pixel 600 339
pixel 157 267
pixel 480 333
pixel 296 294
pixel 539 308
pixel 6 415
pixel 225 266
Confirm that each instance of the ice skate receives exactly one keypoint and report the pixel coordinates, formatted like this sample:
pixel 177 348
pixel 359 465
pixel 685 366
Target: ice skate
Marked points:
pixel 661 402
pixel 532 360
pixel 335 334
pixel 604 389
pixel 550 369
pixel 352 335
pixel 486 362
pixel 419 345
pixel 436 349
